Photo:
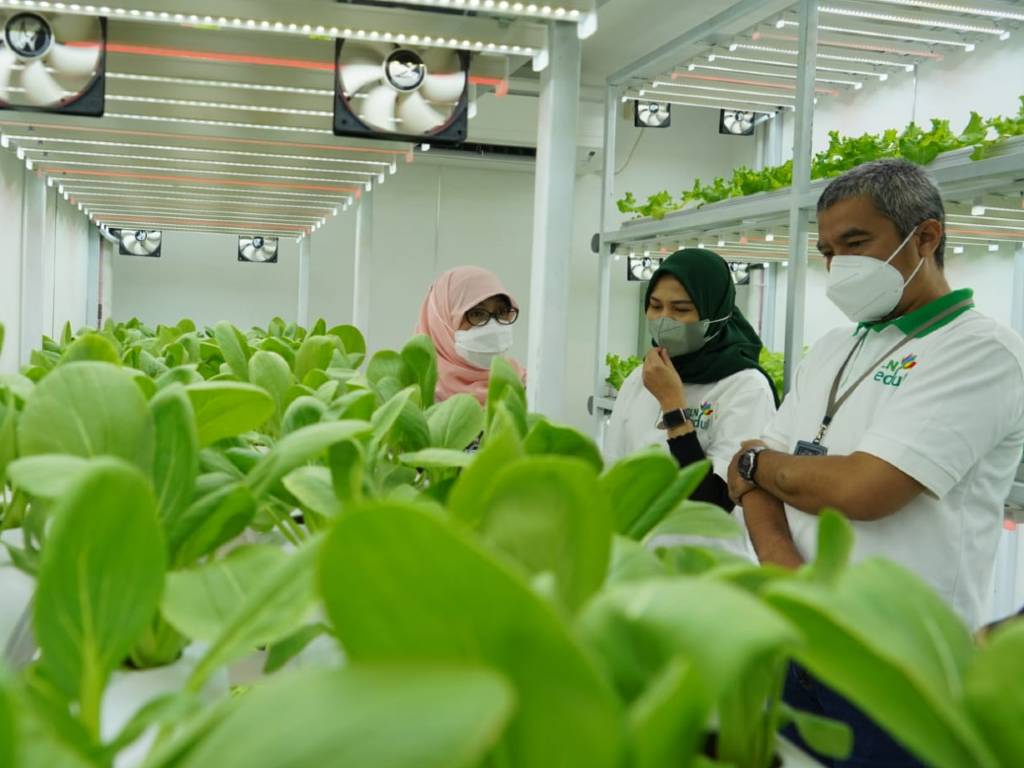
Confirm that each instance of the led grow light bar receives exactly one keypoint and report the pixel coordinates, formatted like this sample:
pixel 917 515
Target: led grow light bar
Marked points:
pixel 232 174
pixel 377 164
pixel 781 23
pixel 792 64
pixel 891 18
pixel 97 198
pixel 995 13
pixel 476 42
pixel 109 210
pixel 196 161
pixel 665 84
pixel 855 84
pixel 77 185
pixel 839 43
pixel 827 56
pixel 223 84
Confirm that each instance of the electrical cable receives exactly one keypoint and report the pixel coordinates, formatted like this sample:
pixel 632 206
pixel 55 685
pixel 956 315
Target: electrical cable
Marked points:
pixel 631 152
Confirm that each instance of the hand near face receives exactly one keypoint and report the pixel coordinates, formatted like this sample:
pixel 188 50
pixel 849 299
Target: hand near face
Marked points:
pixel 661 380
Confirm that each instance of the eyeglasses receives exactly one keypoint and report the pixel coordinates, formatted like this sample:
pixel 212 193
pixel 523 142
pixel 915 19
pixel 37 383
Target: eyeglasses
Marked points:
pixel 479 317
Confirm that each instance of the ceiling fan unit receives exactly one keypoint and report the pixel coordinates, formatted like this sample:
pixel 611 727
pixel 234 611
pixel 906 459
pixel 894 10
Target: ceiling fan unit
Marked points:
pixel 641 268
pixel 140 242
pixel 53 63
pixel 401 93
pixel 733 122
pixel 652 114
pixel 257 249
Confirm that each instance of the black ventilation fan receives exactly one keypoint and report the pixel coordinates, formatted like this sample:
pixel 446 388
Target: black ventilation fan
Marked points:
pixel 740 272
pixel 140 242
pixel 53 63
pixel 652 114
pixel 641 268
pixel 257 249
pixel 733 122
pixel 401 93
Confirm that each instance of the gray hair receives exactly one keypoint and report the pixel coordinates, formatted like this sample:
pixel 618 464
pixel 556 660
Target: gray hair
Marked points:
pixel 902 192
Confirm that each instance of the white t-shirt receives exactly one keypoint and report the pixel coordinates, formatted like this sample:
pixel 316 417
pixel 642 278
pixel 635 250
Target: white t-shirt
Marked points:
pixel 724 414
pixel 946 409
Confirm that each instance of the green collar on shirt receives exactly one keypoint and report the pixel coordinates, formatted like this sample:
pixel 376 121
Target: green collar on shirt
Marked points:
pixel 918 317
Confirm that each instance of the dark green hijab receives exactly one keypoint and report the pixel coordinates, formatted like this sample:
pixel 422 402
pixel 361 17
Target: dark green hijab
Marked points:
pixel 707 278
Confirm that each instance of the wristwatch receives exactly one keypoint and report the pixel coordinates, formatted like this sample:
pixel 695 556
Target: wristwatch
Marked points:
pixel 747 465
pixel 672 419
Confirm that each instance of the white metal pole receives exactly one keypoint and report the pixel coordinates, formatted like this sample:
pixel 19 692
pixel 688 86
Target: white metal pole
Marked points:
pixel 768 309
pixel 604 258
pixel 363 265
pixel 302 312
pixel 799 217
pixel 554 194
pixel 33 272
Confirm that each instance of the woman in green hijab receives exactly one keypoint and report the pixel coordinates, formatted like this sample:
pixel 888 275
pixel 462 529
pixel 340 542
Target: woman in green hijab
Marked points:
pixel 700 392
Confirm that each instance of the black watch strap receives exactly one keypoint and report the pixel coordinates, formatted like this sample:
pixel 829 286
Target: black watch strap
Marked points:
pixel 748 463
pixel 673 419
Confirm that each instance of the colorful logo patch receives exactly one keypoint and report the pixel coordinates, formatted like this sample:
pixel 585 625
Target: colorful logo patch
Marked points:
pixel 707 409
pixel 702 417
pixel 893 373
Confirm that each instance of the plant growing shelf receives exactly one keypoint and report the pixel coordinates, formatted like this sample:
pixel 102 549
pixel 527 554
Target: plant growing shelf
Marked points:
pixel 956 173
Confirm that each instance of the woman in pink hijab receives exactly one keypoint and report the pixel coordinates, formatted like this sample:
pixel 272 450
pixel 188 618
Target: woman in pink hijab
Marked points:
pixel 468 315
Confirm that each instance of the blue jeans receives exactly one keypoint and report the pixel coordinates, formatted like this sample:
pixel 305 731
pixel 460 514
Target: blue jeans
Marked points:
pixel 872 746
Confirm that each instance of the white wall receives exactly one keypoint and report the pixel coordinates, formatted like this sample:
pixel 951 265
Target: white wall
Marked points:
pixel 198 276
pixel 11 185
pixel 44 263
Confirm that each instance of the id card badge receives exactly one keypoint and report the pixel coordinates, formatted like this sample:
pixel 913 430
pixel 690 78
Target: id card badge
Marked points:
pixel 804 448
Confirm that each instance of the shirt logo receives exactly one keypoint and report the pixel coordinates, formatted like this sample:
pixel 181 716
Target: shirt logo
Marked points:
pixel 701 417
pixel 893 373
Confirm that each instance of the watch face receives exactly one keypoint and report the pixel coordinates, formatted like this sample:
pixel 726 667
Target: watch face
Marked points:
pixel 745 462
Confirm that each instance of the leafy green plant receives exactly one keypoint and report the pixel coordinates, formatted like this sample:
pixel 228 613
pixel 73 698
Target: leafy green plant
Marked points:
pixel 913 143
pixel 619 369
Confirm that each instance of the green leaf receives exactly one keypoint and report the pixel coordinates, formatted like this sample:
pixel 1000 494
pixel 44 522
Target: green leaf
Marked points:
pixel 91 347
pixel 830 738
pixel 548 514
pixel 234 348
pixel 353 341
pixel 505 387
pixel 679 490
pixel 48 476
pixel 500 449
pixel 88 409
pixel 632 561
pixel 388 374
pixel 634 484
pixel 420 356
pixel 399 584
pixel 210 521
pixel 314 490
pixel 666 723
pixel 301 447
pixel 384 418
pixel 100 580
pixel 227 409
pixel 546 439
pixel 8 431
pixel 271 371
pixel 994 696
pixel 274 607
pixel 361 716
pixel 436 458
pixel 314 355
pixel 8 729
pixel 347 461
pixel 835 543
pixel 200 601
pixel 278 347
pixel 694 518
pixel 176 462
pixel 183 374
pixel 725 632
pixel 283 651
pixel 886 641
pixel 456 422
pixel 303 412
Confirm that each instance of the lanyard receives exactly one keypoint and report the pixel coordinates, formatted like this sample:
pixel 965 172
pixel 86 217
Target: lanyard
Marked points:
pixel 835 402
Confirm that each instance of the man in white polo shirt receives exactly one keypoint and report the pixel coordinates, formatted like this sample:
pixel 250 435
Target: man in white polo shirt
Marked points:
pixel 912 423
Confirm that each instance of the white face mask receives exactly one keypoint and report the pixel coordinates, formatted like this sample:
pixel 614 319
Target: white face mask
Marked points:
pixel 479 346
pixel 866 289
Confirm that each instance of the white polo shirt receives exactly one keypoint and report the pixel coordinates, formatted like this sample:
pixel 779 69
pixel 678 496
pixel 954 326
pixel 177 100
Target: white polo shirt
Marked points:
pixel 946 409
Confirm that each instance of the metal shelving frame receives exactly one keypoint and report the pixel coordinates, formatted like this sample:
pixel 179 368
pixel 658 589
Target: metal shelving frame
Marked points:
pixel 958 176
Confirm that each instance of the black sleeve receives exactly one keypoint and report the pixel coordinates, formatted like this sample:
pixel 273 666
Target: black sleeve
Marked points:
pixel 712 489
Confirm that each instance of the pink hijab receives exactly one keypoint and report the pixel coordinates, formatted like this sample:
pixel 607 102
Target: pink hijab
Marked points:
pixel 449 298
